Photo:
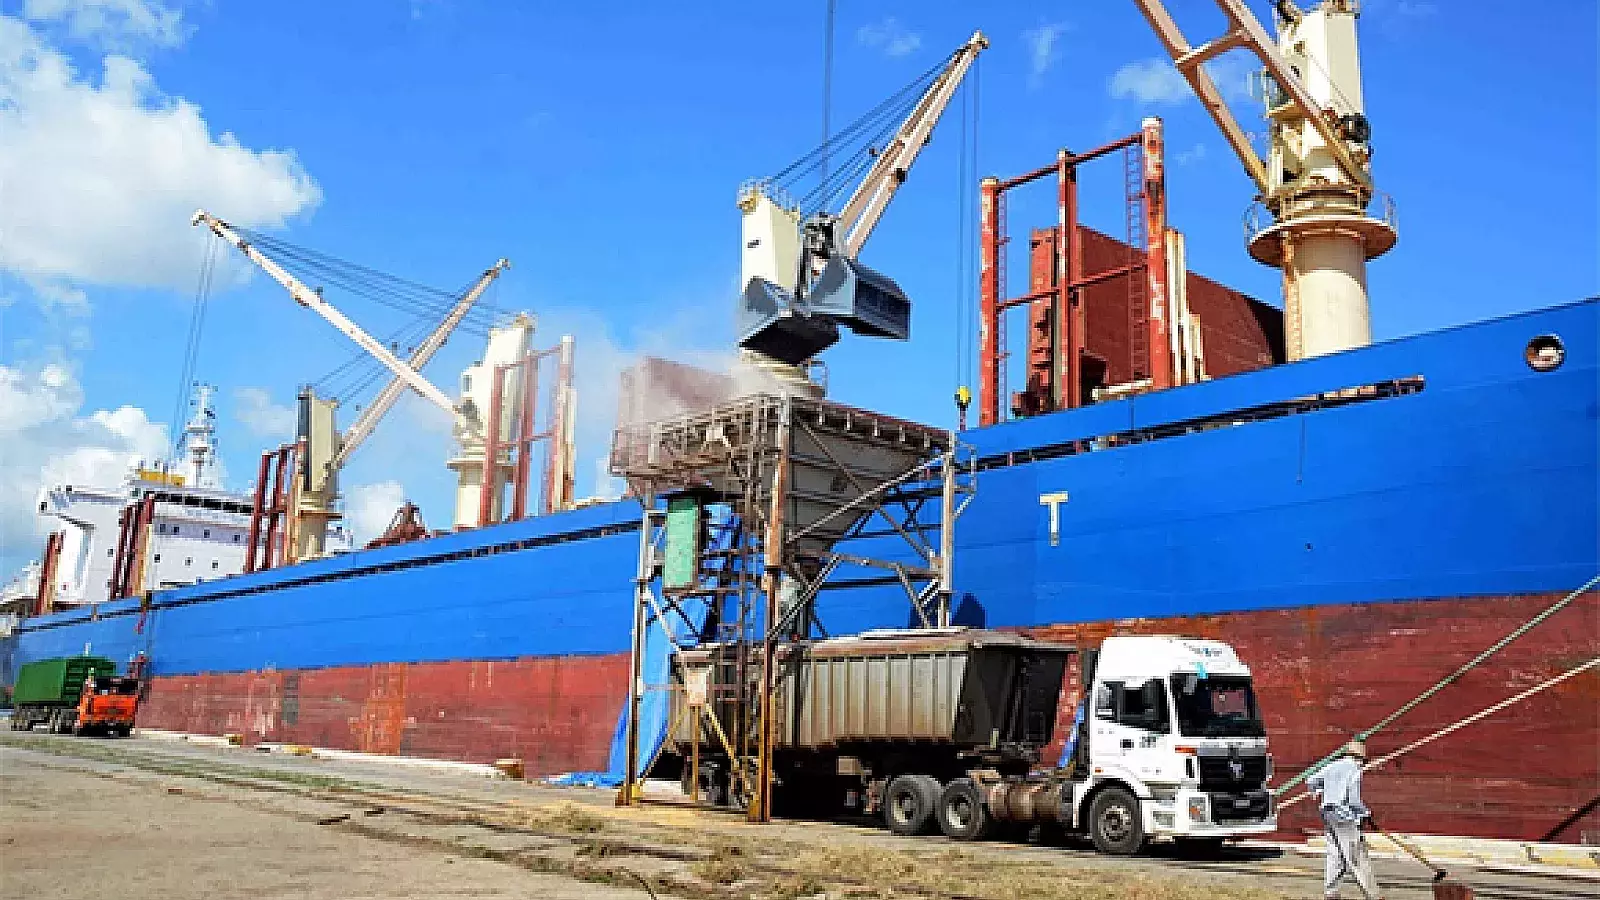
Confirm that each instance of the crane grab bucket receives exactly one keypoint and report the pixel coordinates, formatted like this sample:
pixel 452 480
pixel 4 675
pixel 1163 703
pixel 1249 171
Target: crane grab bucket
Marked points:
pixel 771 323
pixel 868 302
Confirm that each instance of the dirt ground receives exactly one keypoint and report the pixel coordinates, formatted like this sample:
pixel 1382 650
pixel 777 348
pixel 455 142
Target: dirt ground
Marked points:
pixel 66 834
pixel 136 819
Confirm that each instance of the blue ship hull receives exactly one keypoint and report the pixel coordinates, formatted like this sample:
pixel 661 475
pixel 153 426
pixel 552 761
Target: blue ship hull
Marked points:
pixel 1437 468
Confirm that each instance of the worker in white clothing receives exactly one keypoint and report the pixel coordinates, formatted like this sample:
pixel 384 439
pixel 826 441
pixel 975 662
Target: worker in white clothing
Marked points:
pixel 1338 789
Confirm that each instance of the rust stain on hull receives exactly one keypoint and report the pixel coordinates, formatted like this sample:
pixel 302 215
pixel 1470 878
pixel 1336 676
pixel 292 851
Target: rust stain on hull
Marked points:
pixel 556 713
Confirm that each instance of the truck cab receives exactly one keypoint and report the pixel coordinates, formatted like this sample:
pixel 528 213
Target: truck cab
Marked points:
pixel 1172 746
pixel 108 705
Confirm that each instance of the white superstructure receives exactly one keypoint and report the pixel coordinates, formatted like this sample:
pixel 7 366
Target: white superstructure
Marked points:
pixel 197 534
pixel 198 531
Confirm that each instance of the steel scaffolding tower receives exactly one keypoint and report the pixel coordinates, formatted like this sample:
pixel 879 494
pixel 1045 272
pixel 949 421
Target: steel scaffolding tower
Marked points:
pixel 755 507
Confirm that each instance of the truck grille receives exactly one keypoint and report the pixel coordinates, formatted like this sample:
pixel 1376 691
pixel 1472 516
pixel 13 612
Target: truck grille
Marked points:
pixel 1251 806
pixel 1232 773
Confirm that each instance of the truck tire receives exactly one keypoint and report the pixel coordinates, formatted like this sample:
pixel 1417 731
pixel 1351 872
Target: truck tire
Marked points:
pixel 1116 824
pixel 963 816
pixel 909 802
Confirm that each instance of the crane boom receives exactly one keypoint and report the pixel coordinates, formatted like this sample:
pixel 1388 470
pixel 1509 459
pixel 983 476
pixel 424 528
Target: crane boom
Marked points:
pixel 1315 179
pixel 1245 31
pixel 312 300
pixel 871 198
pixel 363 426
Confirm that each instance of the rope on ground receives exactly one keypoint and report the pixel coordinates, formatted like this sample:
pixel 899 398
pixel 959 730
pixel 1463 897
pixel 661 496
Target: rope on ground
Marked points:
pixel 1457 726
pixel 1448 680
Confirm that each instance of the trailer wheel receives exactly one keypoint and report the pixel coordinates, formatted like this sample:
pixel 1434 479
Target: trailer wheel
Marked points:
pixel 908 804
pixel 1115 823
pixel 962 813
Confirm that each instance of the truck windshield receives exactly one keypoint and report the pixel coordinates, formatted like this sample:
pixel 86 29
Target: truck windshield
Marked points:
pixel 1222 706
pixel 126 687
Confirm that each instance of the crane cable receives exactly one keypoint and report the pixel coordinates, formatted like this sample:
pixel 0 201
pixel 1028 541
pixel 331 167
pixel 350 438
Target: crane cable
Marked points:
pixel 426 304
pixel 390 290
pixel 875 124
pixel 1527 626
pixel 827 84
pixel 811 158
pixel 351 379
pixel 191 350
pixel 965 255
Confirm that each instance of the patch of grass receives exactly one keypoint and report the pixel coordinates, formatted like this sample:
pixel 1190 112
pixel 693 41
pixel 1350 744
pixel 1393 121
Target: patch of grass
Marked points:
pixel 795 887
pixel 566 817
pixel 719 871
pixel 599 849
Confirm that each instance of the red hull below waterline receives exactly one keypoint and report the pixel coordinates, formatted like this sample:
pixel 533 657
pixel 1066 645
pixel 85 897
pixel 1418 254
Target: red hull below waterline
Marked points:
pixel 1530 772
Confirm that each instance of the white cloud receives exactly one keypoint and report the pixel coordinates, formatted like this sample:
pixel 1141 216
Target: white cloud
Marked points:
pixel 45 439
pixel 1190 156
pixel 53 296
pixel 102 177
pixel 1043 49
pixel 111 23
pixel 889 36
pixel 254 409
pixel 368 508
pixel 1156 80
pixel 1149 81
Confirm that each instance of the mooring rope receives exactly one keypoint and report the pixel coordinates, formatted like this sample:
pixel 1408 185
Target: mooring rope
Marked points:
pixel 1457 726
pixel 1448 680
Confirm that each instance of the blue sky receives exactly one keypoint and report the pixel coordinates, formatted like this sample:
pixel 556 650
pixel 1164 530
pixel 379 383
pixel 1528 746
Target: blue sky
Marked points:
pixel 599 148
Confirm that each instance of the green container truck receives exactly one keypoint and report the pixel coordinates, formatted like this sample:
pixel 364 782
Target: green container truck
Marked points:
pixel 48 691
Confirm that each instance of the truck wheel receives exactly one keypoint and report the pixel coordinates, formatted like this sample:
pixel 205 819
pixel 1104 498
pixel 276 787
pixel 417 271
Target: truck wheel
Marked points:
pixel 1115 823
pixel 962 813
pixel 908 804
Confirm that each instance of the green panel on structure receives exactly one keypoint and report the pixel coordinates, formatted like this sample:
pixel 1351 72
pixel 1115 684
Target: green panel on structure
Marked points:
pixel 58 680
pixel 683 542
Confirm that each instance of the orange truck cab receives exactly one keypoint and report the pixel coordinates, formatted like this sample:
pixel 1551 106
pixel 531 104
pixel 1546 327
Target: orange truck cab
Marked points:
pixel 108 705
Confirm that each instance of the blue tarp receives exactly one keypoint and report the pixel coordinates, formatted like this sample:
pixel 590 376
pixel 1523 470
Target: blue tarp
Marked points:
pixel 1072 739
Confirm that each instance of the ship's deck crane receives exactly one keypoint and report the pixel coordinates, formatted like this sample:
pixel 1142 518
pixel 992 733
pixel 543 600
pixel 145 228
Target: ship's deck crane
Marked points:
pixel 362 427
pixel 801 279
pixel 1316 181
pixel 325 451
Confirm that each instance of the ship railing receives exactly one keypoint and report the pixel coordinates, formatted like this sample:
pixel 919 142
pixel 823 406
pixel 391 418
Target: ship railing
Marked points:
pixel 1258 217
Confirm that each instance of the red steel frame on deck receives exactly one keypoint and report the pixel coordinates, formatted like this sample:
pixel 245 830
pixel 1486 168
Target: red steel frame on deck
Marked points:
pixel 554 495
pixel 270 507
pixel 133 530
pixel 1057 338
pixel 44 603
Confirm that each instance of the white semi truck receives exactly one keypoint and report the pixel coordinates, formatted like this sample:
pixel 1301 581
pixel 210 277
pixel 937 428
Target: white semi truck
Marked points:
pixel 943 729
pixel 1170 746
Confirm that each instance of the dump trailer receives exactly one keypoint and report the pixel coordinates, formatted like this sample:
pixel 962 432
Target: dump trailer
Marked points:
pixel 945 729
pixel 74 694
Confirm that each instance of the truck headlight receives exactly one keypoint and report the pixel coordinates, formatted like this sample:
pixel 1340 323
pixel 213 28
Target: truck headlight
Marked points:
pixel 1197 810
